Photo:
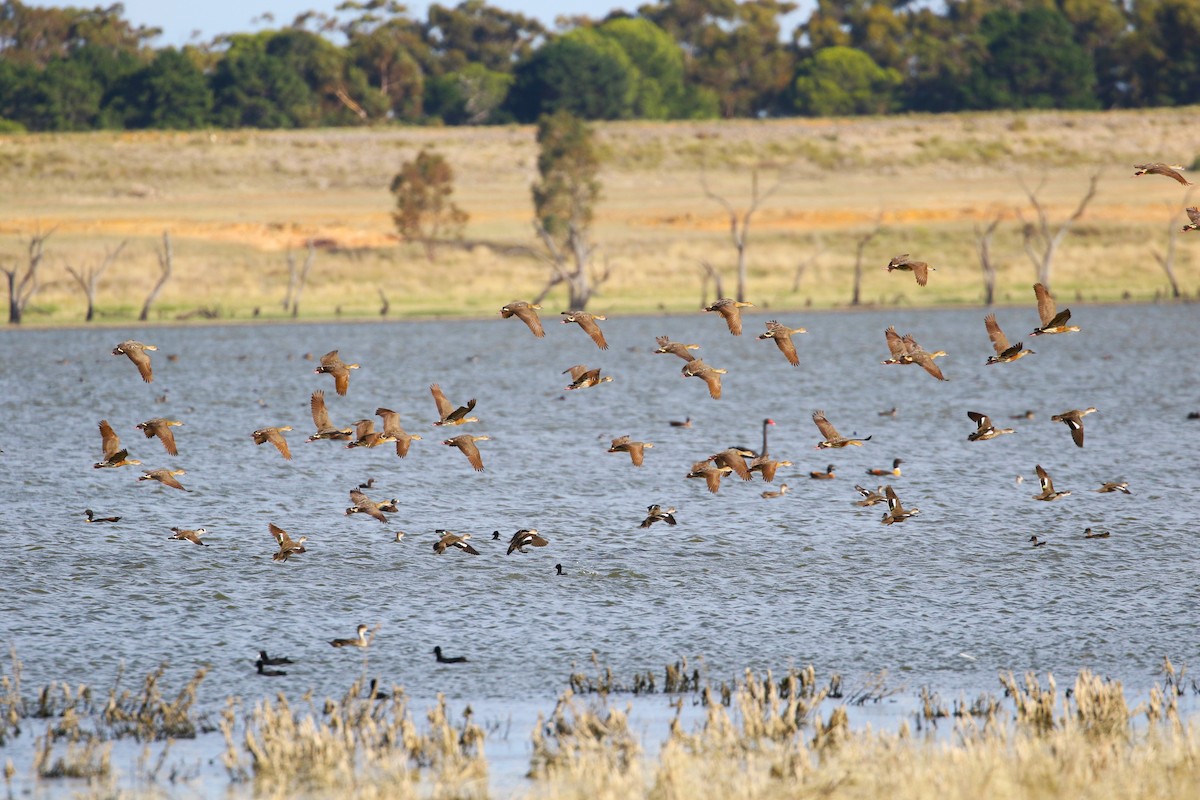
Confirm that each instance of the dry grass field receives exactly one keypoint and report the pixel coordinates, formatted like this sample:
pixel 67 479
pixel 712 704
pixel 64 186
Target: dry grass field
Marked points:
pixel 236 202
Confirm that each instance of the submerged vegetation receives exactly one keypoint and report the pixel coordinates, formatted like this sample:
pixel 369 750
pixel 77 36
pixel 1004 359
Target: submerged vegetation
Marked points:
pixel 759 736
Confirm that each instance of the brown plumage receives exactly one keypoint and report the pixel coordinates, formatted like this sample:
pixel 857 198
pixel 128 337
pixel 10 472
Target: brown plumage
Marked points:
pixel 827 475
pixel 91 517
pixel 360 640
pixel 766 467
pixel 466 443
pixel 905 350
pixel 287 546
pixel 1005 353
pixel 275 437
pixel 735 459
pixel 331 364
pixel 186 535
pixel 665 345
pixel 1158 168
pixel 731 310
pixel 919 269
pixel 984 429
pixel 162 429
pixel 1105 488
pixel 1074 420
pixel 450 539
pixel 320 415
pixel 588 323
pixel 114 455
pixel 1047 485
pixel 869 497
pixel 1194 215
pixel 1053 321
pixel 363 505
pixel 582 377
pixel 711 473
pixel 623 444
pixel 526 537
pixel 448 413
pixel 366 435
pixel 164 476
pixel 656 513
pixel 393 429
pixel 832 437
pixel 782 335
pixel 896 512
pixel 710 375
pixel 136 351
pixel 527 313
pixel 783 489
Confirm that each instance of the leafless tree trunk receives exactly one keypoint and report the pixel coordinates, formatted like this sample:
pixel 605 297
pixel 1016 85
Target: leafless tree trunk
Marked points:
pixel 710 273
pixel 166 258
pixel 983 241
pixel 803 266
pixel 1041 244
pixel 89 277
pixel 1167 262
pixel 858 258
pixel 297 278
pixel 581 280
pixel 383 309
pixel 22 286
pixel 739 225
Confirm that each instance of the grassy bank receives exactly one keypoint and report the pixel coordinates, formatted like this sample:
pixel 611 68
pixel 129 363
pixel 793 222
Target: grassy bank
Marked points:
pixel 236 202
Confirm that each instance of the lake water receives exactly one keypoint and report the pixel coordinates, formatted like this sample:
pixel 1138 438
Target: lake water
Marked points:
pixel 945 600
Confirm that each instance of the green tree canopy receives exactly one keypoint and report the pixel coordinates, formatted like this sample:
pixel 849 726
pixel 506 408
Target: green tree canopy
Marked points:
pixel 169 92
pixel 841 81
pixel 584 74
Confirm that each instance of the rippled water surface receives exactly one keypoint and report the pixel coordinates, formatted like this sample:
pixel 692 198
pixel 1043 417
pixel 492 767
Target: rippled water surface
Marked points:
pixel 946 599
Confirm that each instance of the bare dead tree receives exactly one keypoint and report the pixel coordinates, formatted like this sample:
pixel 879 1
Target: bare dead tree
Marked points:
pixel 297 277
pixel 1167 262
pixel 803 266
pixel 23 285
pixel 739 224
pixel 983 243
pixel 88 278
pixel 863 241
pixel 573 269
pixel 1041 244
pixel 383 309
pixel 166 259
pixel 710 274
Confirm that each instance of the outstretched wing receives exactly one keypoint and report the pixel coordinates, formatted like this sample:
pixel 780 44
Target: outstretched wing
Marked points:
pixel 1045 304
pixel 593 330
pixel 823 425
pixel 320 413
pixel 999 340
pixel 110 440
pixel 530 317
pixel 926 362
pixel 443 405
pixel 895 343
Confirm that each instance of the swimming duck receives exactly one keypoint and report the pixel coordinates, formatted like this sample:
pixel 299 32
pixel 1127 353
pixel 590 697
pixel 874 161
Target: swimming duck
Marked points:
pixel 735 459
pixel 164 476
pixel 712 474
pixel 696 368
pixel 136 351
pixel 287 547
pixel 399 536
pixel 274 435
pixel 114 455
pixel 832 437
pixel 270 673
pixel 919 269
pixel 1105 488
pixel 360 641
pixel 1027 415
pixel 1158 168
pixel 375 693
pixel 827 475
pixel 466 444
pixel 495 536
pixel 1053 321
pixel 1047 492
pixel 526 537
pixel 272 662
pixel 782 335
pixel 656 513
pixel 665 345
pixel 895 470
pixel 891 412
pixel 1037 542
pixel 558 570
pixel 441 659
pixel 582 377
pixel 320 416
pixel 185 535
pixel 984 429
pixel 393 429
pixel 91 517
pixel 896 512
pixel 624 444
pixel 450 539
pixel 331 364
pixel 783 489
pixel 363 505
pixel 588 323
pixel 161 428
pixel 731 310
pixel 1005 353
pixel 870 497
pixel 766 467
pixel 1074 420
pixel 1194 215
pixel 1088 533
pixel 448 413
pixel 527 313
pixel 676 423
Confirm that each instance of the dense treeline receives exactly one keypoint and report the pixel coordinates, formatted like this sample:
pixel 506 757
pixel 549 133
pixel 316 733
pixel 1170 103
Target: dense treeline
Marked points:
pixel 79 69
